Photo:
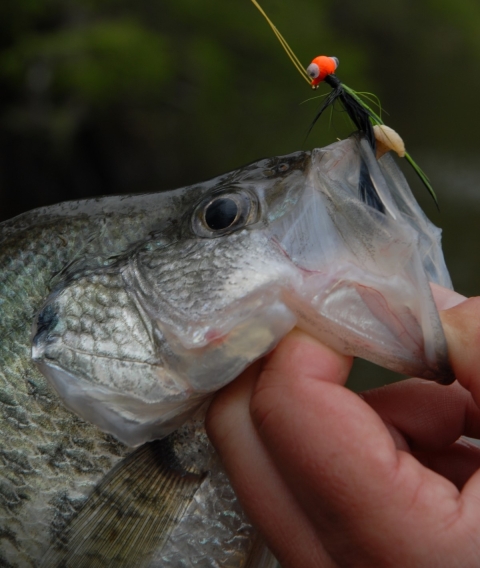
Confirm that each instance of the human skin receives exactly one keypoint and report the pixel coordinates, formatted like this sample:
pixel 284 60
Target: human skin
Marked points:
pixel 332 478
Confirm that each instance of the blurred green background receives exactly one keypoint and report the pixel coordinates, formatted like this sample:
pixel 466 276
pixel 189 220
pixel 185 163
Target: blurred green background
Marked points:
pixel 102 97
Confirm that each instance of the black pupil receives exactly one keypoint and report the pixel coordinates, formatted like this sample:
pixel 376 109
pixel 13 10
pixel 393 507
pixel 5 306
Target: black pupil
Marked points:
pixel 221 213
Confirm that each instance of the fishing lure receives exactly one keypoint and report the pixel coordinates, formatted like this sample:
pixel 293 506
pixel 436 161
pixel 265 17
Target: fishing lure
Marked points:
pixel 322 69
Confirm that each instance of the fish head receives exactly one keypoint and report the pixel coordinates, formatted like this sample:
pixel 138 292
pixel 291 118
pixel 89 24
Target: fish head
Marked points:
pixel 331 241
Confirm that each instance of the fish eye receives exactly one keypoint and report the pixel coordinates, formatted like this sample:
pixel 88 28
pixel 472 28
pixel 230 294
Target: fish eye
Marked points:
pixel 224 213
pixel 283 167
pixel 221 213
pixel 313 70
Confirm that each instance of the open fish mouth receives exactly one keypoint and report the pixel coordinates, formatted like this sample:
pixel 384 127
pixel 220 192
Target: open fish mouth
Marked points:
pixel 366 269
pixel 330 241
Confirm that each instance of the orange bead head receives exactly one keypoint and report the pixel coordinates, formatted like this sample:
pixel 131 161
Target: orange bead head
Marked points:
pixel 320 67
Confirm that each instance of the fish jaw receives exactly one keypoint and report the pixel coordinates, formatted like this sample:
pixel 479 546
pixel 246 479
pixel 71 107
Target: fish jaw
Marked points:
pixel 365 287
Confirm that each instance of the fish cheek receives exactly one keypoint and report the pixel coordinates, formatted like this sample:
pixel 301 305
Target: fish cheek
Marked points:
pixel 218 302
pixel 98 352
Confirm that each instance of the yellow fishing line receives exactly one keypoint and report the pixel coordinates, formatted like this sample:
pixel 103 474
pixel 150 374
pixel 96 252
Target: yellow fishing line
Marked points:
pixel 293 58
pixel 374 118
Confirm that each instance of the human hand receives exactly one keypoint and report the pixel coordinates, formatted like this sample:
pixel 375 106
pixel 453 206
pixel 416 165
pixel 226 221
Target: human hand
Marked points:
pixel 331 478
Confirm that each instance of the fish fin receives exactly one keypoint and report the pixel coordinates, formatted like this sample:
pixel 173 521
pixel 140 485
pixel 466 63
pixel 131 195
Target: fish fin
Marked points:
pixel 260 556
pixel 129 514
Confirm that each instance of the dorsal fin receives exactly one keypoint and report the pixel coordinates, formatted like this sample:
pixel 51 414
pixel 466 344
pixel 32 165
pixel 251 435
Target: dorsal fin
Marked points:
pixel 129 513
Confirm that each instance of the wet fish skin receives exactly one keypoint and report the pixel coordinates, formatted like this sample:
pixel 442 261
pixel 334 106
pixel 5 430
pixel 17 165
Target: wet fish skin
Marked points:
pixel 50 459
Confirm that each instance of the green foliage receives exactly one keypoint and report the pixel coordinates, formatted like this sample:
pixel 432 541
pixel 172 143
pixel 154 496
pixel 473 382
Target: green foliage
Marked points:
pixel 194 87
pixel 98 63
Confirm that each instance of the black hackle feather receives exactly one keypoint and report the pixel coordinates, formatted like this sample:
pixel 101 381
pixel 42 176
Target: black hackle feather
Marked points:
pixel 361 118
pixel 367 191
pixel 359 115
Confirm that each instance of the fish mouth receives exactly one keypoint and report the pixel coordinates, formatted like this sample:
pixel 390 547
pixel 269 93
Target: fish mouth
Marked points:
pixel 365 263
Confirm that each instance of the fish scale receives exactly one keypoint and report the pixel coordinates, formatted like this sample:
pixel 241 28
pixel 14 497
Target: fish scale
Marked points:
pixel 51 461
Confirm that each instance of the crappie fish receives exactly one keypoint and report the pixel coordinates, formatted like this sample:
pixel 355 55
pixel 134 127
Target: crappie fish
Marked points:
pixel 120 316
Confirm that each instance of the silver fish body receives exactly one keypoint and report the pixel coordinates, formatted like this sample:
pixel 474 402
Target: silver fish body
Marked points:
pixel 143 306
